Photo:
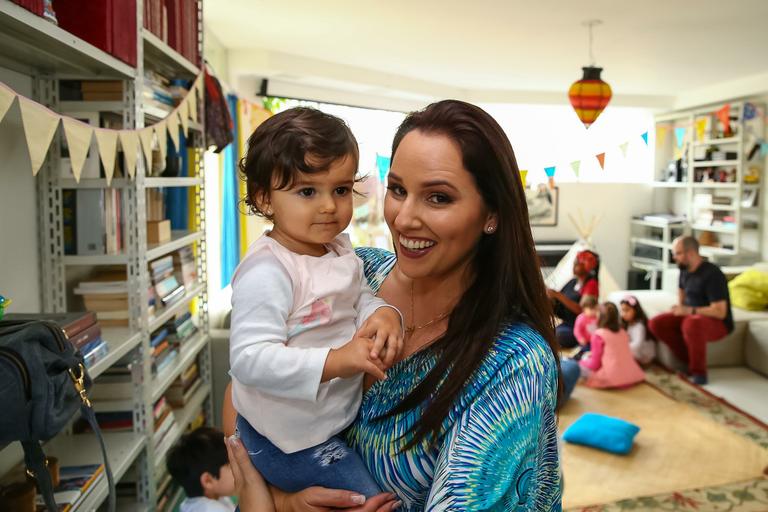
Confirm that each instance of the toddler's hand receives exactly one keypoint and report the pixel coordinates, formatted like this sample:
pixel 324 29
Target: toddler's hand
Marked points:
pixel 384 326
pixel 352 359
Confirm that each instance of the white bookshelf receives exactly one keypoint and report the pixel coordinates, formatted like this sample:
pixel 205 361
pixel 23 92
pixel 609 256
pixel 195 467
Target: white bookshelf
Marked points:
pixel 33 46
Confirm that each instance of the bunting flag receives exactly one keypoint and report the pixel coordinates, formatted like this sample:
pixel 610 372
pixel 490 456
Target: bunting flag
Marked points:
pixel 184 116
pixel 701 128
pixel 764 149
pixel 576 165
pixel 645 137
pixel 382 164
pixel 6 100
pixel 162 139
pixel 146 136
pixel 523 175
pixel 750 112
pixel 601 159
pixel 661 134
pixel 79 137
pixel 550 171
pixel 172 124
pixel 39 128
pixel 192 100
pixel 106 140
pixel 623 148
pixel 129 139
pixel 680 136
pixel 724 115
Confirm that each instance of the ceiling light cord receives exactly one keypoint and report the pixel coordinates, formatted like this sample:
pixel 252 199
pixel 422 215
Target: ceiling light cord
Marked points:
pixel 590 24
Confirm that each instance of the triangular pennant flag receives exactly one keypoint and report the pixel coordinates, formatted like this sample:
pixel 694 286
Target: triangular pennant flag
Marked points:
pixel 576 166
pixel 39 128
pixel 764 149
pixel 601 159
pixel 6 100
pixel 79 137
pixel 701 128
pixel 680 135
pixel 162 141
pixel 724 115
pixel 183 109
pixel 645 137
pixel 550 171
pixel 129 139
pixel 523 175
pixel 107 142
pixel 661 134
pixel 146 136
pixel 623 148
pixel 172 124
pixel 191 99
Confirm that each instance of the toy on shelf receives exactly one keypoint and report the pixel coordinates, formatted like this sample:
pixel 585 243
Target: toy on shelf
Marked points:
pixel 4 303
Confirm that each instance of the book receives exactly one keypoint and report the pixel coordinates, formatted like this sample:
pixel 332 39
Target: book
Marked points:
pixel 179 397
pixel 94 352
pixel 158 337
pixel 71 323
pixel 86 336
pixel 89 216
pixel 74 484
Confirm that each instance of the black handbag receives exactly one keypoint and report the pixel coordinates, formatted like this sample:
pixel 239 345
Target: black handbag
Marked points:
pixel 43 383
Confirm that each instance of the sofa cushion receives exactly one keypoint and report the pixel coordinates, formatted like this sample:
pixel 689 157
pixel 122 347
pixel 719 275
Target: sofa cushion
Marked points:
pixel 756 346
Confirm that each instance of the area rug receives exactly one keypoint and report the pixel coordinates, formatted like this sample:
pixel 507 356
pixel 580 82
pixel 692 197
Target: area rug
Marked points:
pixel 694 452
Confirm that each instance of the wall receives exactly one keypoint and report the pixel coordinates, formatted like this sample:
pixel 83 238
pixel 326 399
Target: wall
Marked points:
pixel 19 260
pixel 614 204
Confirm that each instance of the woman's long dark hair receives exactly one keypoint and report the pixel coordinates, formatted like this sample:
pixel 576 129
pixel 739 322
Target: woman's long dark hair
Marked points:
pixel 508 285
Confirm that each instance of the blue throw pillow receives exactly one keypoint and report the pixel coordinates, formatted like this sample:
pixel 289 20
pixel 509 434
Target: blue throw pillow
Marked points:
pixel 602 432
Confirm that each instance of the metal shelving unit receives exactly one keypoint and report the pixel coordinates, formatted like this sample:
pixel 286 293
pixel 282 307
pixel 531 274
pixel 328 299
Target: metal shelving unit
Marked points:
pixel 684 196
pixel 31 45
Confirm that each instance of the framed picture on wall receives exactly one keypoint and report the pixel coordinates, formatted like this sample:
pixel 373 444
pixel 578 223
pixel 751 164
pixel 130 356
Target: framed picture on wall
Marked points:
pixel 542 204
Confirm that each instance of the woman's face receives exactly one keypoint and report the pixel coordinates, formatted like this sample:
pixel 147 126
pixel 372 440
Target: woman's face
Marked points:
pixel 433 207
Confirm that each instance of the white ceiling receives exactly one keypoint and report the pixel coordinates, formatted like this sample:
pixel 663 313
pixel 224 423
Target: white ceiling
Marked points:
pixel 651 47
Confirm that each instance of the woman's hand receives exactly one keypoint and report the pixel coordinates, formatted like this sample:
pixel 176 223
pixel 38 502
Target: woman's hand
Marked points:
pixel 553 294
pixel 254 496
pixel 252 492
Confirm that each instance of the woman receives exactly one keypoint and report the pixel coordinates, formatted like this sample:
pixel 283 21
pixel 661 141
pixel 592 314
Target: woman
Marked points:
pixel 567 308
pixel 466 419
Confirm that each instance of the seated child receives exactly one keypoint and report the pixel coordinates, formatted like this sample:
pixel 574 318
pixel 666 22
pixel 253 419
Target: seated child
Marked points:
pixel 634 320
pixel 199 464
pixel 585 324
pixel 610 363
pixel 305 325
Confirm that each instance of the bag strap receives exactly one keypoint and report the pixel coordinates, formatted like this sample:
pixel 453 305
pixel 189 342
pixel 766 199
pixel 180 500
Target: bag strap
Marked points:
pixel 34 459
pixel 90 417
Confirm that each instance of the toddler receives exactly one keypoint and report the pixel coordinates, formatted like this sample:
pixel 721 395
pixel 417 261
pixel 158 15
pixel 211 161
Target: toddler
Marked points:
pixel 585 324
pixel 610 363
pixel 635 321
pixel 305 325
pixel 199 464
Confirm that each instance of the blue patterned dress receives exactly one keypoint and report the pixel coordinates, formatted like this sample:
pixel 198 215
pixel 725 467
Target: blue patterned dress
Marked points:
pixel 498 448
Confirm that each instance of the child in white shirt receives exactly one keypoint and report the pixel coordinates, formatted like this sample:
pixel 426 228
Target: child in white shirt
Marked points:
pixel 305 325
pixel 635 321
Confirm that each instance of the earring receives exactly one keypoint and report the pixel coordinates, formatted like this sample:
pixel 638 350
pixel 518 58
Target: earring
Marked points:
pixel 490 228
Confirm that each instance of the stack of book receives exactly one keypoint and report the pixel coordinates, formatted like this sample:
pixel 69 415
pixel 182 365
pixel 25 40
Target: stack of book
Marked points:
pixel 176 23
pixel 164 352
pixel 166 428
pixel 167 288
pixel 91 90
pixel 75 483
pixel 165 493
pixel 157 91
pixel 182 389
pixel 82 330
pixel 106 294
pixel 112 398
pixel 93 221
pixel 181 328
pixel 184 264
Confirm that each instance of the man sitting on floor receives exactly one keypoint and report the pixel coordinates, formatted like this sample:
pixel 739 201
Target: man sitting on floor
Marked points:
pixel 703 311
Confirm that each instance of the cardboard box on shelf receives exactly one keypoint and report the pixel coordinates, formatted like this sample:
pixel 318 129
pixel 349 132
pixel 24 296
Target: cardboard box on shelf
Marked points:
pixel 158 231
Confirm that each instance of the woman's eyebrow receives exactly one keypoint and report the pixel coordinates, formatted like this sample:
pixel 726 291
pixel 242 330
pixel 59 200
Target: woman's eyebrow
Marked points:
pixel 436 183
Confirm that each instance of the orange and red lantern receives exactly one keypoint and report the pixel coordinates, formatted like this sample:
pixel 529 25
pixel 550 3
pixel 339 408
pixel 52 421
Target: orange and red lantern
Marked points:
pixel 590 95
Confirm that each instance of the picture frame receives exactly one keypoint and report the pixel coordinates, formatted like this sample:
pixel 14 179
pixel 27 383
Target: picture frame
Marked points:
pixel 543 204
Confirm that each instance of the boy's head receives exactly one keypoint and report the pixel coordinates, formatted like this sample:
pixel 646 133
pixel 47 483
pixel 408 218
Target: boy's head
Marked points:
pixel 295 142
pixel 588 304
pixel 200 465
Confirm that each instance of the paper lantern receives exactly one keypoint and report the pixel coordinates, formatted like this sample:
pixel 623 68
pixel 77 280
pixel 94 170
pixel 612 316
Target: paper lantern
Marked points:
pixel 590 95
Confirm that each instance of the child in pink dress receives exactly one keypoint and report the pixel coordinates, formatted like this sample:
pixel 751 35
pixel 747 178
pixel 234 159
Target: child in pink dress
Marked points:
pixel 610 363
